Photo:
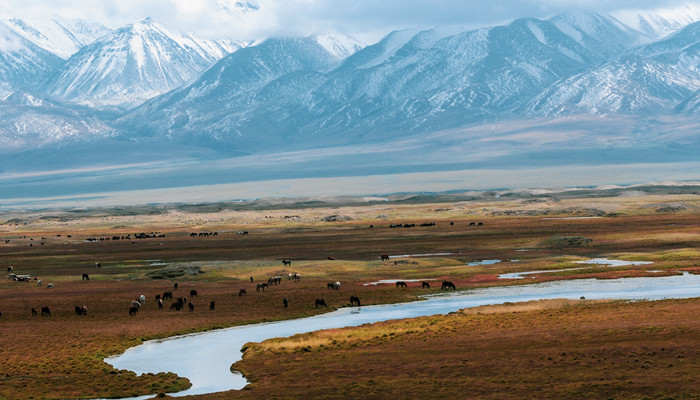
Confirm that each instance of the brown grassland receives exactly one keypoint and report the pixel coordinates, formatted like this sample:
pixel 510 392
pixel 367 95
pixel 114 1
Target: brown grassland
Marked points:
pixel 554 349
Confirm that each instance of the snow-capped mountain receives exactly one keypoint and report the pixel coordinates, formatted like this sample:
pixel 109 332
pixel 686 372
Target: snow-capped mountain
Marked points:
pixel 410 81
pixel 211 107
pixel 652 79
pixel 61 36
pixel 657 24
pixel 133 64
pixel 341 46
pixel 23 65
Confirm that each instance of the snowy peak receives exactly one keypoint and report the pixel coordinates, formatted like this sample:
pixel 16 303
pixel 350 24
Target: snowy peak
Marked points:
pixel 340 46
pixel 23 65
pixel 133 64
pixel 60 36
pixel 660 22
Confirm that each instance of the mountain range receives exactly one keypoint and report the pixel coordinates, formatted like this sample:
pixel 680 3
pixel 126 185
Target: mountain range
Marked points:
pixel 74 85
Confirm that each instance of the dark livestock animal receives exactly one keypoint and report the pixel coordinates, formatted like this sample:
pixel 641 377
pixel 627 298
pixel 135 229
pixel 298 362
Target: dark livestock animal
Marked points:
pixel 160 304
pixel 425 285
pixel 384 257
pixel 167 295
pixel 261 286
pixel 287 263
pixel 447 285
pixel 191 306
pixel 157 297
pixel 320 303
pixel 400 284
pixel 86 277
pixel 241 292
pixel 331 258
pixel 133 310
pixel 285 302
pixel 33 311
pixel 333 285
pixel 45 312
pixel 193 293
pixel 354 301
pixel 175 286
pixel 212 305
pixel 80 310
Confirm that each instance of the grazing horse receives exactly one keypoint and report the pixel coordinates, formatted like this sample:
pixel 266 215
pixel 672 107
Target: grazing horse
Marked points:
pixel 425 285
pixel 400 284
pixel 45 312
pixel 354 300
pixel 157 297
pixel 241 292
pixel 167 295
pixel 38 283
pixel 447 285
pixel 384 257
pixel 50 285
pixel 319 303
pixel 296 277
pixel 212 305
pixel 160 304
pixel 261 286
pixel 331 258
pixel 80 310
pixel 133 310
pixel 287 263
pixel 175 286
pixel 285 302
pixel 10 268
pixel 142 299
pixel 86 277
pixel 251 279
pixel 472 224
pixel 33 311
pixel 193 293
pixel 191 306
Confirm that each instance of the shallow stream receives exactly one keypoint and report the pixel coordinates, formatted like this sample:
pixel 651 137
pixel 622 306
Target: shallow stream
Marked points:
pixel 206 358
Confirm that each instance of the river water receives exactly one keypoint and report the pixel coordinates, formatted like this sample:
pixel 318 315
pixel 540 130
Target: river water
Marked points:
pixel 205 358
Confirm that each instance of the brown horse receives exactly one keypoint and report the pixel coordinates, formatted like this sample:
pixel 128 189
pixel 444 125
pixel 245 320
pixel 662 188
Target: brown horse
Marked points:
pixel 447 285
pixel 425 285
pixel 400 284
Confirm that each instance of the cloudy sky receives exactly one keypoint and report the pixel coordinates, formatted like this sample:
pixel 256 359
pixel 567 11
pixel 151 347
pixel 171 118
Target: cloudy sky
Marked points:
pixel 369 18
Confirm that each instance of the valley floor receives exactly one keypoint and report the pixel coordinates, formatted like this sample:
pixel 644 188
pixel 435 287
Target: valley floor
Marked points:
pixel 560 350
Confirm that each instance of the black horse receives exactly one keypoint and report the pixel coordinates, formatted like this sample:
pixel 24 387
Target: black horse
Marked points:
pixel 287 263
pixel 133 310
pixel 45 312
pixel 354 301
pixel 261 286
pixel 285 302
pixel 384 257
pixel 212 305
pixel 241 292
pixel 425 285
pixel 320 303
pixel 167 295
pixel 193 293
pixel 86 277
pixel 400 284
pixel 447 285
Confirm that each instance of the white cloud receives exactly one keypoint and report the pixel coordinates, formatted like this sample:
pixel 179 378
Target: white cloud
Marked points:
pixel 233 19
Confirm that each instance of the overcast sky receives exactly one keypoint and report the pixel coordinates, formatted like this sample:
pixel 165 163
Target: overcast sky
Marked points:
pixel 369 18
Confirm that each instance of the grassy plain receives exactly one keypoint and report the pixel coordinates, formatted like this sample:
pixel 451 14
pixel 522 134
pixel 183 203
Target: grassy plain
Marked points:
pixel 562 350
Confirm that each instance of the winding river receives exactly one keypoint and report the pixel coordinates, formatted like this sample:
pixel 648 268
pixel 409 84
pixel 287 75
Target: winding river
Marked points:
pixel 206 358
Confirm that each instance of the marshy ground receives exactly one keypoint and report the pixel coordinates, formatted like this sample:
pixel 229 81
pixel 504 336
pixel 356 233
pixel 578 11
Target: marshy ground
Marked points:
pixel 542 350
